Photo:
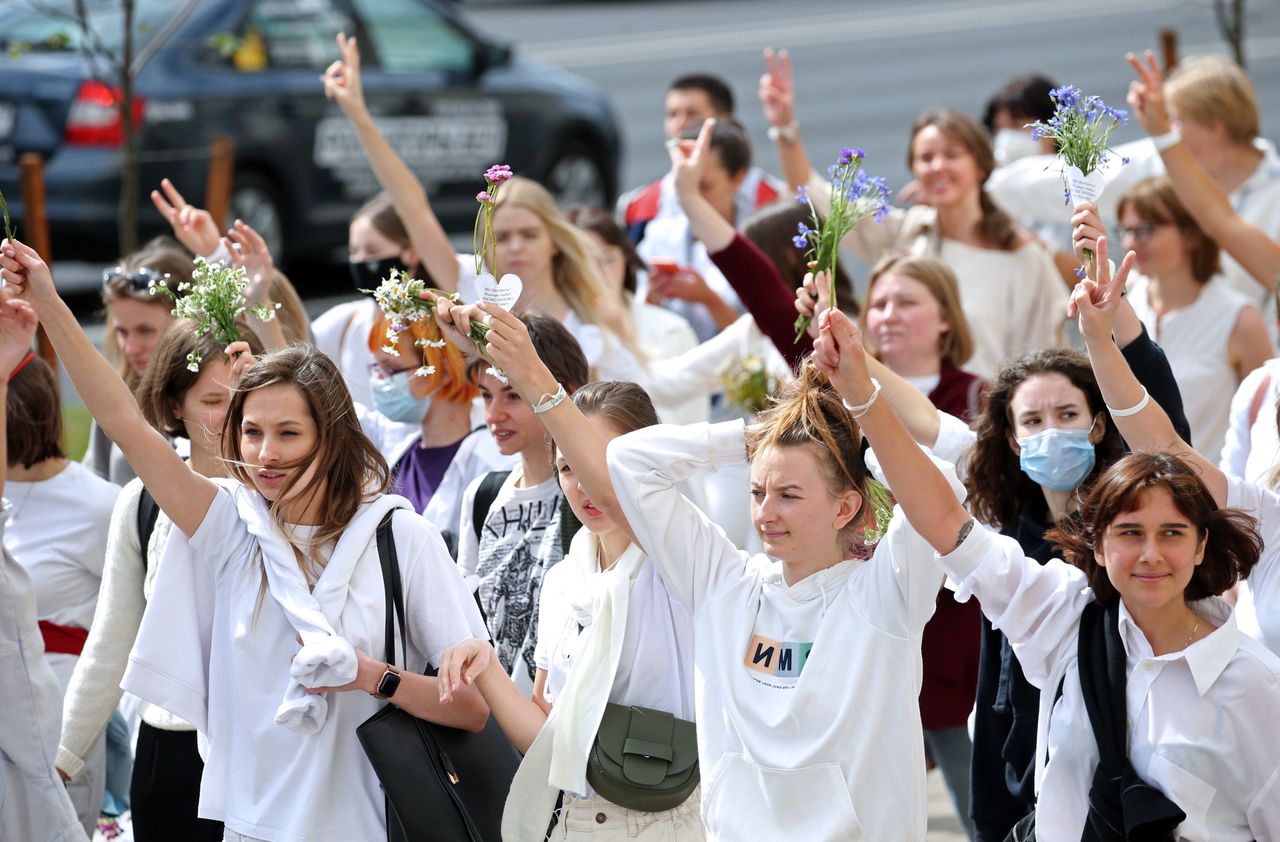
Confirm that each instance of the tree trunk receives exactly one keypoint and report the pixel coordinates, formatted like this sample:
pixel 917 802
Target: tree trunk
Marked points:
pixel 128 209
pixel 1230 15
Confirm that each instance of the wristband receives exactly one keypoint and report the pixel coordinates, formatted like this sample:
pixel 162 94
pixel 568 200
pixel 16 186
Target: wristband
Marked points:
pixel 1133 410
pixel 862 408
pixel 1166 140
pixel 550 400
pixel 786 134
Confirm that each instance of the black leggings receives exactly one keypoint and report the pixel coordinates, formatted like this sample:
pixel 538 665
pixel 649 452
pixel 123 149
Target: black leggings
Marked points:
pixel 166 788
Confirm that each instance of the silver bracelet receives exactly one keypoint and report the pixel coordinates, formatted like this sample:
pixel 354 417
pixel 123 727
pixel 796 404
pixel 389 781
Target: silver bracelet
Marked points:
pixel 1133 410
pixel 787 134
pixel 550 400
pixel 862 408
pixel 1166 140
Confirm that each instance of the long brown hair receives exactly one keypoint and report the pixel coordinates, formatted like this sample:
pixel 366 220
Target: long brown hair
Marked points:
pixel 350 470
pixel 773 230
pixel 996 226
pixel 996 483
pixel 169 376
pixel 33 413
pixel 1232 547
pixel 810 413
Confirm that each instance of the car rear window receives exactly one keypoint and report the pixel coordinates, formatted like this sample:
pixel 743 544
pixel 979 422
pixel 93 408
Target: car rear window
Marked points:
pixel 53 24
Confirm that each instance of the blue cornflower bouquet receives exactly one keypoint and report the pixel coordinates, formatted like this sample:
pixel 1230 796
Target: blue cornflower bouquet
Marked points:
pixel 855 196
pixel 1081 126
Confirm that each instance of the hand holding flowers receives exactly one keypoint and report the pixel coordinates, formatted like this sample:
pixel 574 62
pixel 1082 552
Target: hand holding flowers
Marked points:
pixel 214 300
pixel 855 196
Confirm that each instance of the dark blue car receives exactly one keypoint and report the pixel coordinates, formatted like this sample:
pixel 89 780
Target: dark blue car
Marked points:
pixel 451 102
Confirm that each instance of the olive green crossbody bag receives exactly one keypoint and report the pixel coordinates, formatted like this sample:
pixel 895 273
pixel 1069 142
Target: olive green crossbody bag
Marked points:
pixel 643 759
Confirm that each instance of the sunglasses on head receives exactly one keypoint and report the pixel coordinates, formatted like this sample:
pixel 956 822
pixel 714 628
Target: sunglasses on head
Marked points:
pixel 139 281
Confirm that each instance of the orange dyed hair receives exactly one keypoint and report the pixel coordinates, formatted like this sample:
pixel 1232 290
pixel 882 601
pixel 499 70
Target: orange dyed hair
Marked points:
pixel 450 382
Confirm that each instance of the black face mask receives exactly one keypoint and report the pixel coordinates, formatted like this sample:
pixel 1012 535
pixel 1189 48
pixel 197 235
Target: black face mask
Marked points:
pixel 367 274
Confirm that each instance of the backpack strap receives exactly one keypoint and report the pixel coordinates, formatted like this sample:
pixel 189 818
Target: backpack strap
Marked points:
pixel 486 493
pixel 569 525
pixel 391 586
pixel 148 511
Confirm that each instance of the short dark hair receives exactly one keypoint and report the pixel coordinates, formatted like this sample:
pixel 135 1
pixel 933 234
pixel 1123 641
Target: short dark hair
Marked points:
pixel 729 141
pixel 1025 98
pixel 34 415
pixel 1233 544
pixel 716 89
pixel 557 349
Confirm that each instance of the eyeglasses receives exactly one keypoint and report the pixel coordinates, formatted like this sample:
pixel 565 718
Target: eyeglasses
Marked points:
pixel 381 371
pixel 138 281
pixel 1141 232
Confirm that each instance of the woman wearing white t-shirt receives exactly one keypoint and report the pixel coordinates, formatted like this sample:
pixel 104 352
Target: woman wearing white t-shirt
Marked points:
pixel 808 656
pixel 282 552
pixel 58 532
pixel 605 583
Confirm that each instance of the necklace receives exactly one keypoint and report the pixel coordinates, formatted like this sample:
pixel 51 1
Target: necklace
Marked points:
pixel 1192 636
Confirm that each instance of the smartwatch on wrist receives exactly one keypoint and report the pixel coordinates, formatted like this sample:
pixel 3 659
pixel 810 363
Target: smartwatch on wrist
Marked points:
pixel 388 684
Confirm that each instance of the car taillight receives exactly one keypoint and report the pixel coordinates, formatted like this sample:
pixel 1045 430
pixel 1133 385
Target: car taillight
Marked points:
pixel 94 118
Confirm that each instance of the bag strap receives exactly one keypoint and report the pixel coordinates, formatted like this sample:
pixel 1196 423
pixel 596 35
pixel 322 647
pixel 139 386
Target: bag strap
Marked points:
pixel 486 493
pixel 391 586
pixel 148 511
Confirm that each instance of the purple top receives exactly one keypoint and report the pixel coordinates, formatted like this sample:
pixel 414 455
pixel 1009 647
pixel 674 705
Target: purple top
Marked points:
pixel 419 471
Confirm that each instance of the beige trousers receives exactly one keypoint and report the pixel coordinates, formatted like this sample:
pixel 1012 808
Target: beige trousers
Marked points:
pixel 598 820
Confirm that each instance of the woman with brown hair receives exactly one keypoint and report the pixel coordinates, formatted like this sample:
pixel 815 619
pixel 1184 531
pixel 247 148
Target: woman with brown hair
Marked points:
pixel 950 156
pixel 281 551
pixel 1211 333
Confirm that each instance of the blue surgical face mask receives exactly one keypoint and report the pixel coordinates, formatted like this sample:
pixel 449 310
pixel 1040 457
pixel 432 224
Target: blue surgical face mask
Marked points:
pixel 1056 459
pixel 394 399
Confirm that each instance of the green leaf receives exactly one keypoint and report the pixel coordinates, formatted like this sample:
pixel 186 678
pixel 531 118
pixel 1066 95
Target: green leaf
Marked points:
pixel 226 43
pixel 4 209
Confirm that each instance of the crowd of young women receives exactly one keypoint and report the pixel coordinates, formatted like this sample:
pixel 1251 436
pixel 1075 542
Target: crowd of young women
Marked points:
pixel 947 538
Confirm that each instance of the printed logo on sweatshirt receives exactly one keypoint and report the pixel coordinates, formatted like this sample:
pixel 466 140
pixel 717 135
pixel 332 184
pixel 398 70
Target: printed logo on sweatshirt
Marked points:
pixel 777 658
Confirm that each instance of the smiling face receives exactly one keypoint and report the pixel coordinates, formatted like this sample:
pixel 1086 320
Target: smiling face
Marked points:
pixel 277 434
pixel 1051 401
pixel 905 323
pixel 1150 554
pixel 590 517
pixel 525 247
pixel 795 514
pixel 203 407
pixel 944 167
pixel 138 325
pixel 509 418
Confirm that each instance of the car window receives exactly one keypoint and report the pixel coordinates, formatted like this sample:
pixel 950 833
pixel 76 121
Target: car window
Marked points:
pixel 52 25
pixel 293 34
pixel 411 37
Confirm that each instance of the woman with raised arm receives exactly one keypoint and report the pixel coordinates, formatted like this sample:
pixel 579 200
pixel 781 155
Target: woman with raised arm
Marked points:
pixel 165 789
pixel 950 155
pixel 534 240
pixel 605 583
pixel 284 550
pixel 1146 427
pixel 789 642
pixel 36 806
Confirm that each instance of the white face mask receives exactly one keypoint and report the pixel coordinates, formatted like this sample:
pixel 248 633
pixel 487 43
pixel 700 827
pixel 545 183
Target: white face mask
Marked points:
pixel 1011 144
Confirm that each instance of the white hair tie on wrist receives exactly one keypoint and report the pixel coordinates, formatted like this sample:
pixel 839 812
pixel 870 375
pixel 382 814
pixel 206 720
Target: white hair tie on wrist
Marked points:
pixel 862 408
pixel 1133 410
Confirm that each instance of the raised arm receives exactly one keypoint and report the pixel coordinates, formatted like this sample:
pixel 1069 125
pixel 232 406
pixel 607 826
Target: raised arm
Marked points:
pixel 342 85
pixel 1141 421
pixel 183 495
pixel 251 254
pixel 923 493
pixel 577 438
pixel 1204 199
pixel 778 102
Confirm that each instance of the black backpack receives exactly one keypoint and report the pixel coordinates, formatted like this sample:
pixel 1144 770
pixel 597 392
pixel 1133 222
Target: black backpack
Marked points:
pixel 148 511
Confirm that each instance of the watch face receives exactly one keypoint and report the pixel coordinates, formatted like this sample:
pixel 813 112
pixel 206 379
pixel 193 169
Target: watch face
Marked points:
pixel 389 684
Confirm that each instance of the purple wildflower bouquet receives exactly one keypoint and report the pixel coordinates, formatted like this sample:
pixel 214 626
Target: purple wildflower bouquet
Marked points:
pixel 855 196
pixel 1081 126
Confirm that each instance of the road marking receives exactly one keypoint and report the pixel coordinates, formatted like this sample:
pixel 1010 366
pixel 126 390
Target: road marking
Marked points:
pixel 846 28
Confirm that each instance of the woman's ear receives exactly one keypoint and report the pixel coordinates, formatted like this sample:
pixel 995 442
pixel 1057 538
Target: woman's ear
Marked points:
pixel 1099 428
pixel 850 506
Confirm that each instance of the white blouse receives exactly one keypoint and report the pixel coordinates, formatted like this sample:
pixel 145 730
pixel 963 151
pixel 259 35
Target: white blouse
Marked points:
pixel 1202 725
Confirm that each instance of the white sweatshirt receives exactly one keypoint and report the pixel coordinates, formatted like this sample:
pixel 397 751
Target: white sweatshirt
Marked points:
pixel 806 695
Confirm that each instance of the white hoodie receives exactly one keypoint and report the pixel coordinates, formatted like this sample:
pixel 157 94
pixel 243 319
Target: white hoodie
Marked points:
pixel 806 696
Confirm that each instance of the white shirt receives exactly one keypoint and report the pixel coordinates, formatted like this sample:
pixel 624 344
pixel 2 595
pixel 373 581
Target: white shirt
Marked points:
pixel 1252 445
pixel 342 334
pixel 806 695
pixel 1201 721
pixel 1264 581
pixel 1195 339
pixel 273 783
pixel 58 532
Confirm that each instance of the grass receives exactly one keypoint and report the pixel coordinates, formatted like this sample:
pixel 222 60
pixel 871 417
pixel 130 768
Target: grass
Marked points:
pixel 76 422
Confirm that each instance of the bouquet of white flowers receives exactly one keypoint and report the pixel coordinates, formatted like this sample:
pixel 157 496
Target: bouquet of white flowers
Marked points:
pixel 213 299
